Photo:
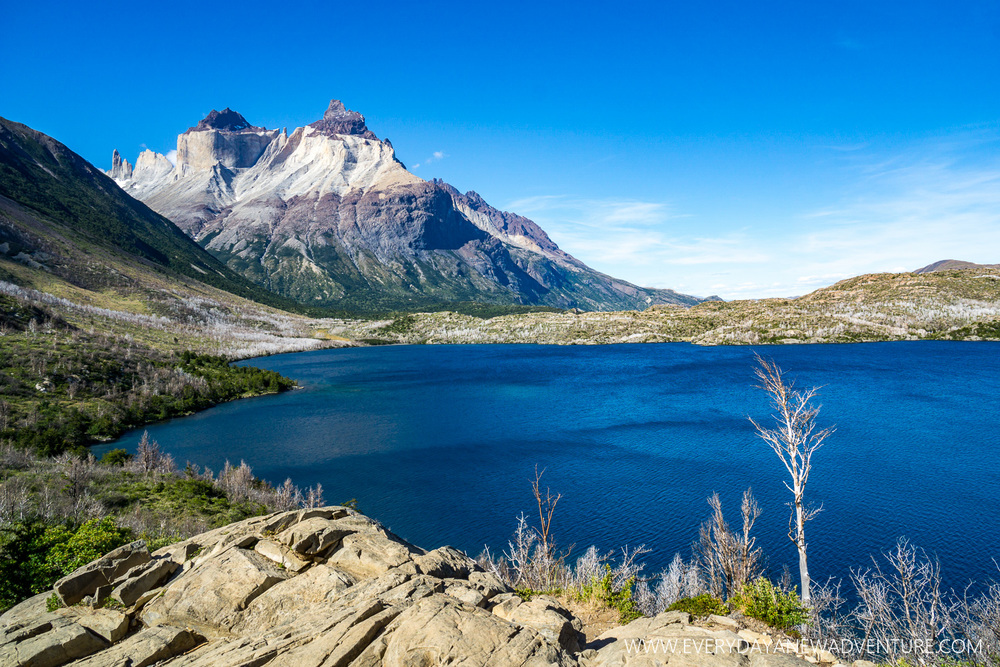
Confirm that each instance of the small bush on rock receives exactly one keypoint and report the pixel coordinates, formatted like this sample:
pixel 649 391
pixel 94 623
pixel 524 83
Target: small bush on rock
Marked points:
pixel 602 591
pixel 762 600
pixel 700 605
pixel 91 541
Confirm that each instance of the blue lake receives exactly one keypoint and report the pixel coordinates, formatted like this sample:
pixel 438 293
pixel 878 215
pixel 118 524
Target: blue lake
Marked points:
pixel 440 444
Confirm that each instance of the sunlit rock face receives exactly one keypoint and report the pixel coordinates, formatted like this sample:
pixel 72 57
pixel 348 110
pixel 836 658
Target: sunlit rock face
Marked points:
pixel 328 215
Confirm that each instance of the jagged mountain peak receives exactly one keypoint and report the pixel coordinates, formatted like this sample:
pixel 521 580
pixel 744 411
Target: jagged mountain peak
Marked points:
pixel 328 215
pixel 226 120
pixel 338 119
pixel 121 169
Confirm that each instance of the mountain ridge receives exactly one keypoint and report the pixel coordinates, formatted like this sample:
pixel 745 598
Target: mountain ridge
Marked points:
pixel 952 264
pixel 63 216
pixel 327 214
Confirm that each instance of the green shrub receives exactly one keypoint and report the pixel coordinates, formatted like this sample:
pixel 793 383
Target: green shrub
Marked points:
pixel 53 602
pixel 24 570
pixel 116 457
pixel 760 599
pixel 601 590
pixel 700 605
pixel 91 541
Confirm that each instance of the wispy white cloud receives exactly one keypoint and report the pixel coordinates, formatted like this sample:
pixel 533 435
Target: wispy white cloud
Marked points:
pixel 645 242
pixel 172 156
pixel 435 156
pixel 939 199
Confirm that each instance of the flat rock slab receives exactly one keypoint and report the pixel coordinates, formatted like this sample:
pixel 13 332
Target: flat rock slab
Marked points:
pixel 665 639
pixel 314 536
pixel 551 620
pixel 108 624
pixel 58 645
pixel 145 648
pixel 25 611
pixel 282 555
pixel 143 578
pixel 437 631
pixel 366 555
pixel 211 595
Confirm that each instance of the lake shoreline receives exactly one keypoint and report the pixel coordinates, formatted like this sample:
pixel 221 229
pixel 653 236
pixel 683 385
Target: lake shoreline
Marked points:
pixel 484 412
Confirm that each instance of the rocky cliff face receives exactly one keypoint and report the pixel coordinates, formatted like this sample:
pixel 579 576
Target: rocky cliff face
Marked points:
pixel 331 587
pixel 328 215
pixel 121 169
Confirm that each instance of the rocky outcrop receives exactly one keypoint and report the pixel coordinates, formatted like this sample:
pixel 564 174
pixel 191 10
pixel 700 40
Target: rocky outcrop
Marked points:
pixel 100 574
pixel 327 215
pixel 324 587
pixel 121 169
pixel 199 150
pixel 227 120
pixel 337 119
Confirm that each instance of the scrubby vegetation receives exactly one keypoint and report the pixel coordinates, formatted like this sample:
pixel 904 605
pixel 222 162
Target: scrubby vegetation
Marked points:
pixel 895 611
pixel 948 305
pixel 764 601
pixel 57 514
pixel 534 564
pixel 700 606
pixel 63 388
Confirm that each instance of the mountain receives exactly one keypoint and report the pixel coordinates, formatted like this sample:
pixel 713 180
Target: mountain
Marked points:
pixel 328 215
pixel 62 216
pixel 952 264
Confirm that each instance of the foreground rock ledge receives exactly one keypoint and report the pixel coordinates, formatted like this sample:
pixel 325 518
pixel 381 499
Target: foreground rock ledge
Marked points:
pixel 324 587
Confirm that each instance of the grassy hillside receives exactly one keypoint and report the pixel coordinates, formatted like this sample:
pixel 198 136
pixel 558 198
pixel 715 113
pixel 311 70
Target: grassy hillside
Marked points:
pixel 55 206
pixel 110 316
pixel 946 305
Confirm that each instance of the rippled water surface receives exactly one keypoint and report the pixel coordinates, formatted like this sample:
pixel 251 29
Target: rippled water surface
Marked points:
pixel 440 442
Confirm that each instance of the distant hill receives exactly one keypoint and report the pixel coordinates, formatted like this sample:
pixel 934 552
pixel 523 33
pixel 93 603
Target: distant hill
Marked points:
pixel 951 264
pixel 327 215
pixel 944 305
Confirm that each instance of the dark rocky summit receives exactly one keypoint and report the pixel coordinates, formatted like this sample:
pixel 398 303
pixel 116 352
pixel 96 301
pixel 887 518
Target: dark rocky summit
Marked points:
pixel 339 120
pixel 226 120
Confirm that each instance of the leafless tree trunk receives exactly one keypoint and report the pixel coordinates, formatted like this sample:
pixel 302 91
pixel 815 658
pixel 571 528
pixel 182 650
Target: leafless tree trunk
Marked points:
pixel 904 606
pixel 546 508
pixel 794 438
pixel 729 559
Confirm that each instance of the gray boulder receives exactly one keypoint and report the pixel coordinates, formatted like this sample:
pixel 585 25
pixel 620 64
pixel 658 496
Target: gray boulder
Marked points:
pixel 143 578
pixel 106 570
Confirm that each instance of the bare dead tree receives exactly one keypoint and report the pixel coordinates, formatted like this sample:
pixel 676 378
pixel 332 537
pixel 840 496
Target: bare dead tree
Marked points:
pixel 149 459
pixel 314 497
pixel 729 559
pixel 795 437
pixel 546 508
pixel 904 606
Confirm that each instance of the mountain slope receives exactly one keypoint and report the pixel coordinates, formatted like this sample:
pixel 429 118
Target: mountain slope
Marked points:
pixel 60 214
pixel 328 215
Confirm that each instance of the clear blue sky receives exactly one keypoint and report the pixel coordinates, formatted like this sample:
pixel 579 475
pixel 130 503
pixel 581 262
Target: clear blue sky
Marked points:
pixel 737 148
